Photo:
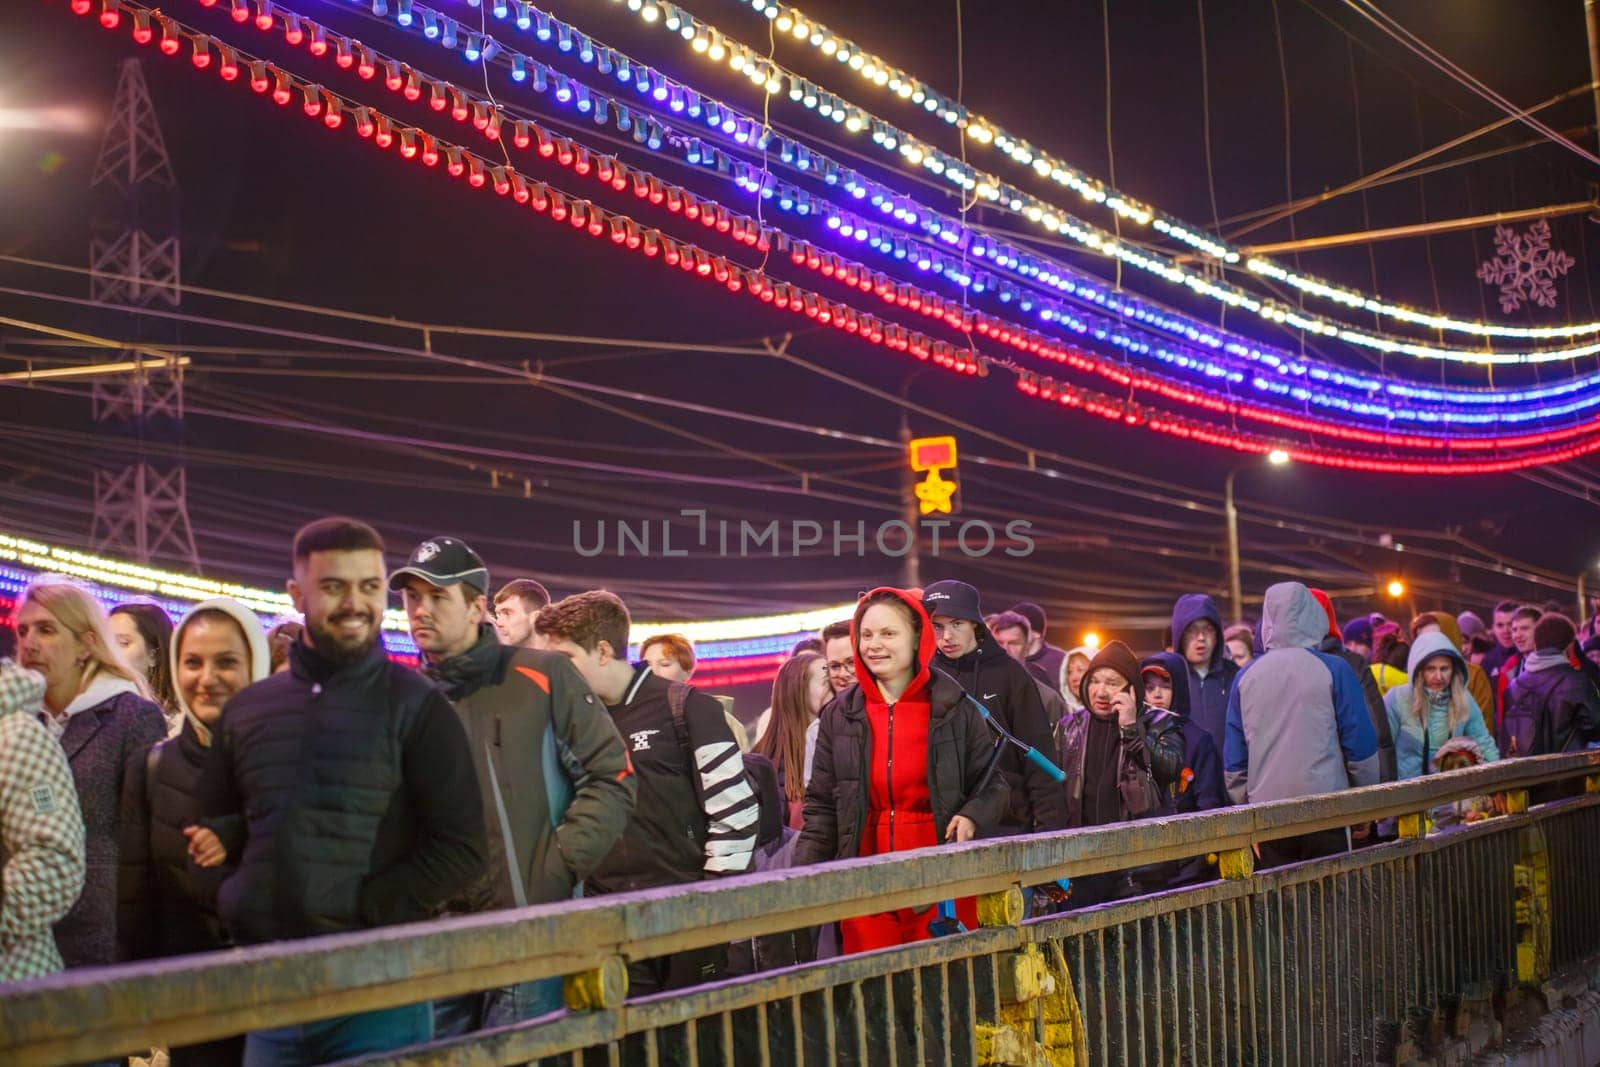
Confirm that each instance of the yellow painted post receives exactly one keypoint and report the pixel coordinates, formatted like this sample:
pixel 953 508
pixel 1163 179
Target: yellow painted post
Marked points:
pixel 601 989
pixel 1591 783
pixel 1413 825
pixel 1237 864
pixel 1516 801
pixel 1001 909
pixel 1532 881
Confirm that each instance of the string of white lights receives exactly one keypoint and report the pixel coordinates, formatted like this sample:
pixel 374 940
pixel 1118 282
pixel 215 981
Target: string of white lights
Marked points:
pixel 716 43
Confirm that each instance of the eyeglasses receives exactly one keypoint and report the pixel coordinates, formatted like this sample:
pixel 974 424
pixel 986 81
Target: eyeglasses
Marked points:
pixel 840 668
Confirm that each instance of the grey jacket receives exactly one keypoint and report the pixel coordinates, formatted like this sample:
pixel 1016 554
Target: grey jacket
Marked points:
pixel 1297 721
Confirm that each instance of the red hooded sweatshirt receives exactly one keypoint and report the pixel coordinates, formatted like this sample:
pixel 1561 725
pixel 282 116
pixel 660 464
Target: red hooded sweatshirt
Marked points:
pixel 899 810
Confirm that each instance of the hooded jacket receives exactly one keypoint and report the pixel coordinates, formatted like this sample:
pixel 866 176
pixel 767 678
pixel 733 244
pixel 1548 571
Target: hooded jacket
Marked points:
pixel 1011 694
pixel 1550 707
pixel 1334 643
pixel 849 758
pixel 1208 694
pixel 529 715
pixel 1479 683
pixel 168 907
pixel 1203 790
pixel 1149 752
pixel 1415 749
pixel 1297 722
pixel 41 831
pixel 108 726
pixel 360 805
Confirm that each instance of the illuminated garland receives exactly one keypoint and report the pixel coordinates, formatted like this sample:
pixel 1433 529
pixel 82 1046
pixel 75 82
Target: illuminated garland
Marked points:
pixel 983 131
pixel 748 130
pixel 1061 223
pixel 1205 364
pixel 319 103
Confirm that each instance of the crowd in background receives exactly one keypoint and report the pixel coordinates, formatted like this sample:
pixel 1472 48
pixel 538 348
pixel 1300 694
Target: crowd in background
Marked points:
pixel 178 787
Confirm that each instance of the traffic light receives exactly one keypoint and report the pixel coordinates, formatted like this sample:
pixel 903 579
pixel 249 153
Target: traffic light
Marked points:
pixel 934 457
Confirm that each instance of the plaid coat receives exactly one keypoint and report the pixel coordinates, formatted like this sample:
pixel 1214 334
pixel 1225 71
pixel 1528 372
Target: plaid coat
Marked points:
pixel 41 831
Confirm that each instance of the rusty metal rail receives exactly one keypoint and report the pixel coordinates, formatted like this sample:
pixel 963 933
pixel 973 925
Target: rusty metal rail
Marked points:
pixel 1340 960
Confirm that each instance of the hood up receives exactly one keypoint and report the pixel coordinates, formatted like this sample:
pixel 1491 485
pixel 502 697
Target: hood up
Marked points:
pixel 920 678
pixel 1178 670
pixel 1192 608
pixel 1292 618
pixel 1433 644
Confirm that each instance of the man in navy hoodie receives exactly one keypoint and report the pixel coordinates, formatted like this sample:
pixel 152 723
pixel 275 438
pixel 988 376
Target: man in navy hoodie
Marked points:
pixel 1197 637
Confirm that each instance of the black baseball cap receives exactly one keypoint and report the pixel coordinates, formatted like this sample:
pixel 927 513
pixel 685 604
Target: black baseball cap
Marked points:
pixel 958 600
pixel 443 561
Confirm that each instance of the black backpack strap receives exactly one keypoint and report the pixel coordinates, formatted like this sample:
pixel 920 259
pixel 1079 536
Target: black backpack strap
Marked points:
pixel 677 698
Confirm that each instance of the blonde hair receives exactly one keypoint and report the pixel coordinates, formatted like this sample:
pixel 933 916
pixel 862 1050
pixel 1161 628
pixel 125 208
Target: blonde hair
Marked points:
pixel 76 609
pixel 1459 708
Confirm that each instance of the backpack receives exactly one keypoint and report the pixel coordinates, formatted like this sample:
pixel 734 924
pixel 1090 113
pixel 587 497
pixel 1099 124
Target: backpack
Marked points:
pixel 677 698
pixel 1523 724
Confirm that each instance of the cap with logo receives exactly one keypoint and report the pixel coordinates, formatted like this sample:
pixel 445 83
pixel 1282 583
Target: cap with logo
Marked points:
pixel 958 600
pixel 443 561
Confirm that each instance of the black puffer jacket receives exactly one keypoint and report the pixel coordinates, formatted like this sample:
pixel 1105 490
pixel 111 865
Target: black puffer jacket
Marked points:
pixel 360 805
pixel 167 906
pixel 959 747
pixel 1011 694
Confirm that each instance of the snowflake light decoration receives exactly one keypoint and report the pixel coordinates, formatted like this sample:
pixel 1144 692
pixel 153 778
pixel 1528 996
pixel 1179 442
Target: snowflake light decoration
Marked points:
pixel 1525 267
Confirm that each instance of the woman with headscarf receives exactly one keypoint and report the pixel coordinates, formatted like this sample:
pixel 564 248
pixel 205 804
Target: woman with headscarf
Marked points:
pixel 217 649
pixel 98 708
pixel 903 761
pixel 1073 667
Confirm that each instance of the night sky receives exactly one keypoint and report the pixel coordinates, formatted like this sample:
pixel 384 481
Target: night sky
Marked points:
pixel 275 206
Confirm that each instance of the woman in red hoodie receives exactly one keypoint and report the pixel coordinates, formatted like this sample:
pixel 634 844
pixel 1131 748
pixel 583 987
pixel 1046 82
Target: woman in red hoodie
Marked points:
pixel 901 762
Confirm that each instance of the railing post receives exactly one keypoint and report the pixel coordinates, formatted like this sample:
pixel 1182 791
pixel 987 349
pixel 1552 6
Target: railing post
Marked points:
pixel 1237 864
pixel 1413 826
pixel 1004 908
pixel 601 989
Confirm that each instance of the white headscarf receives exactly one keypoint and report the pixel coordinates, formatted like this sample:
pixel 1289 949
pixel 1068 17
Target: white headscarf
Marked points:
pixel 255 640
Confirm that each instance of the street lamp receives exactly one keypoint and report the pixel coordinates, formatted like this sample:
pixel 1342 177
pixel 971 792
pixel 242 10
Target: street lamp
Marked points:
pixel 1278 458
pixel 1396 588
pixel 1091 640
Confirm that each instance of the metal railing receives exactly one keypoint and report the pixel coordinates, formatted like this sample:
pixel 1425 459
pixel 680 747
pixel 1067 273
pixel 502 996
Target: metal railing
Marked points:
pixel 1339 960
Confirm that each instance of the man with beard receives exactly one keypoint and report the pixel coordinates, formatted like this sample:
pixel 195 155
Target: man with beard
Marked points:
pixel 557 784
pixel 343 787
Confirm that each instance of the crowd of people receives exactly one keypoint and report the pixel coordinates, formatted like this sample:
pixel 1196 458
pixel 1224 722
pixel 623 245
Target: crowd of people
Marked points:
pixel 170 788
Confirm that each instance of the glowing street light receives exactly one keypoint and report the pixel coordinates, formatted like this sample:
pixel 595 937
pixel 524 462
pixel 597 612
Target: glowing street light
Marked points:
pixel 1397 588
pixel 1091 639
pixel 1278 457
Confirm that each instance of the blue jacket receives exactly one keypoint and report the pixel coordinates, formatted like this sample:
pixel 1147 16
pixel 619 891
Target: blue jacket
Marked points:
pixel 1200 756
pixel 1407 731
pixel 1297 722
pixel 1208 696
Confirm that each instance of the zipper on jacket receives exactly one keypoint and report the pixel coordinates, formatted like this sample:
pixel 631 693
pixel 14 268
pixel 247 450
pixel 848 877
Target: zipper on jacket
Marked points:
pixel 891 776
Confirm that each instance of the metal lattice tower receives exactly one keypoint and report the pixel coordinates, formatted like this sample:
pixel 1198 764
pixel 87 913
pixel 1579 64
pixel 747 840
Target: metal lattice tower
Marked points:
pixel 134 259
